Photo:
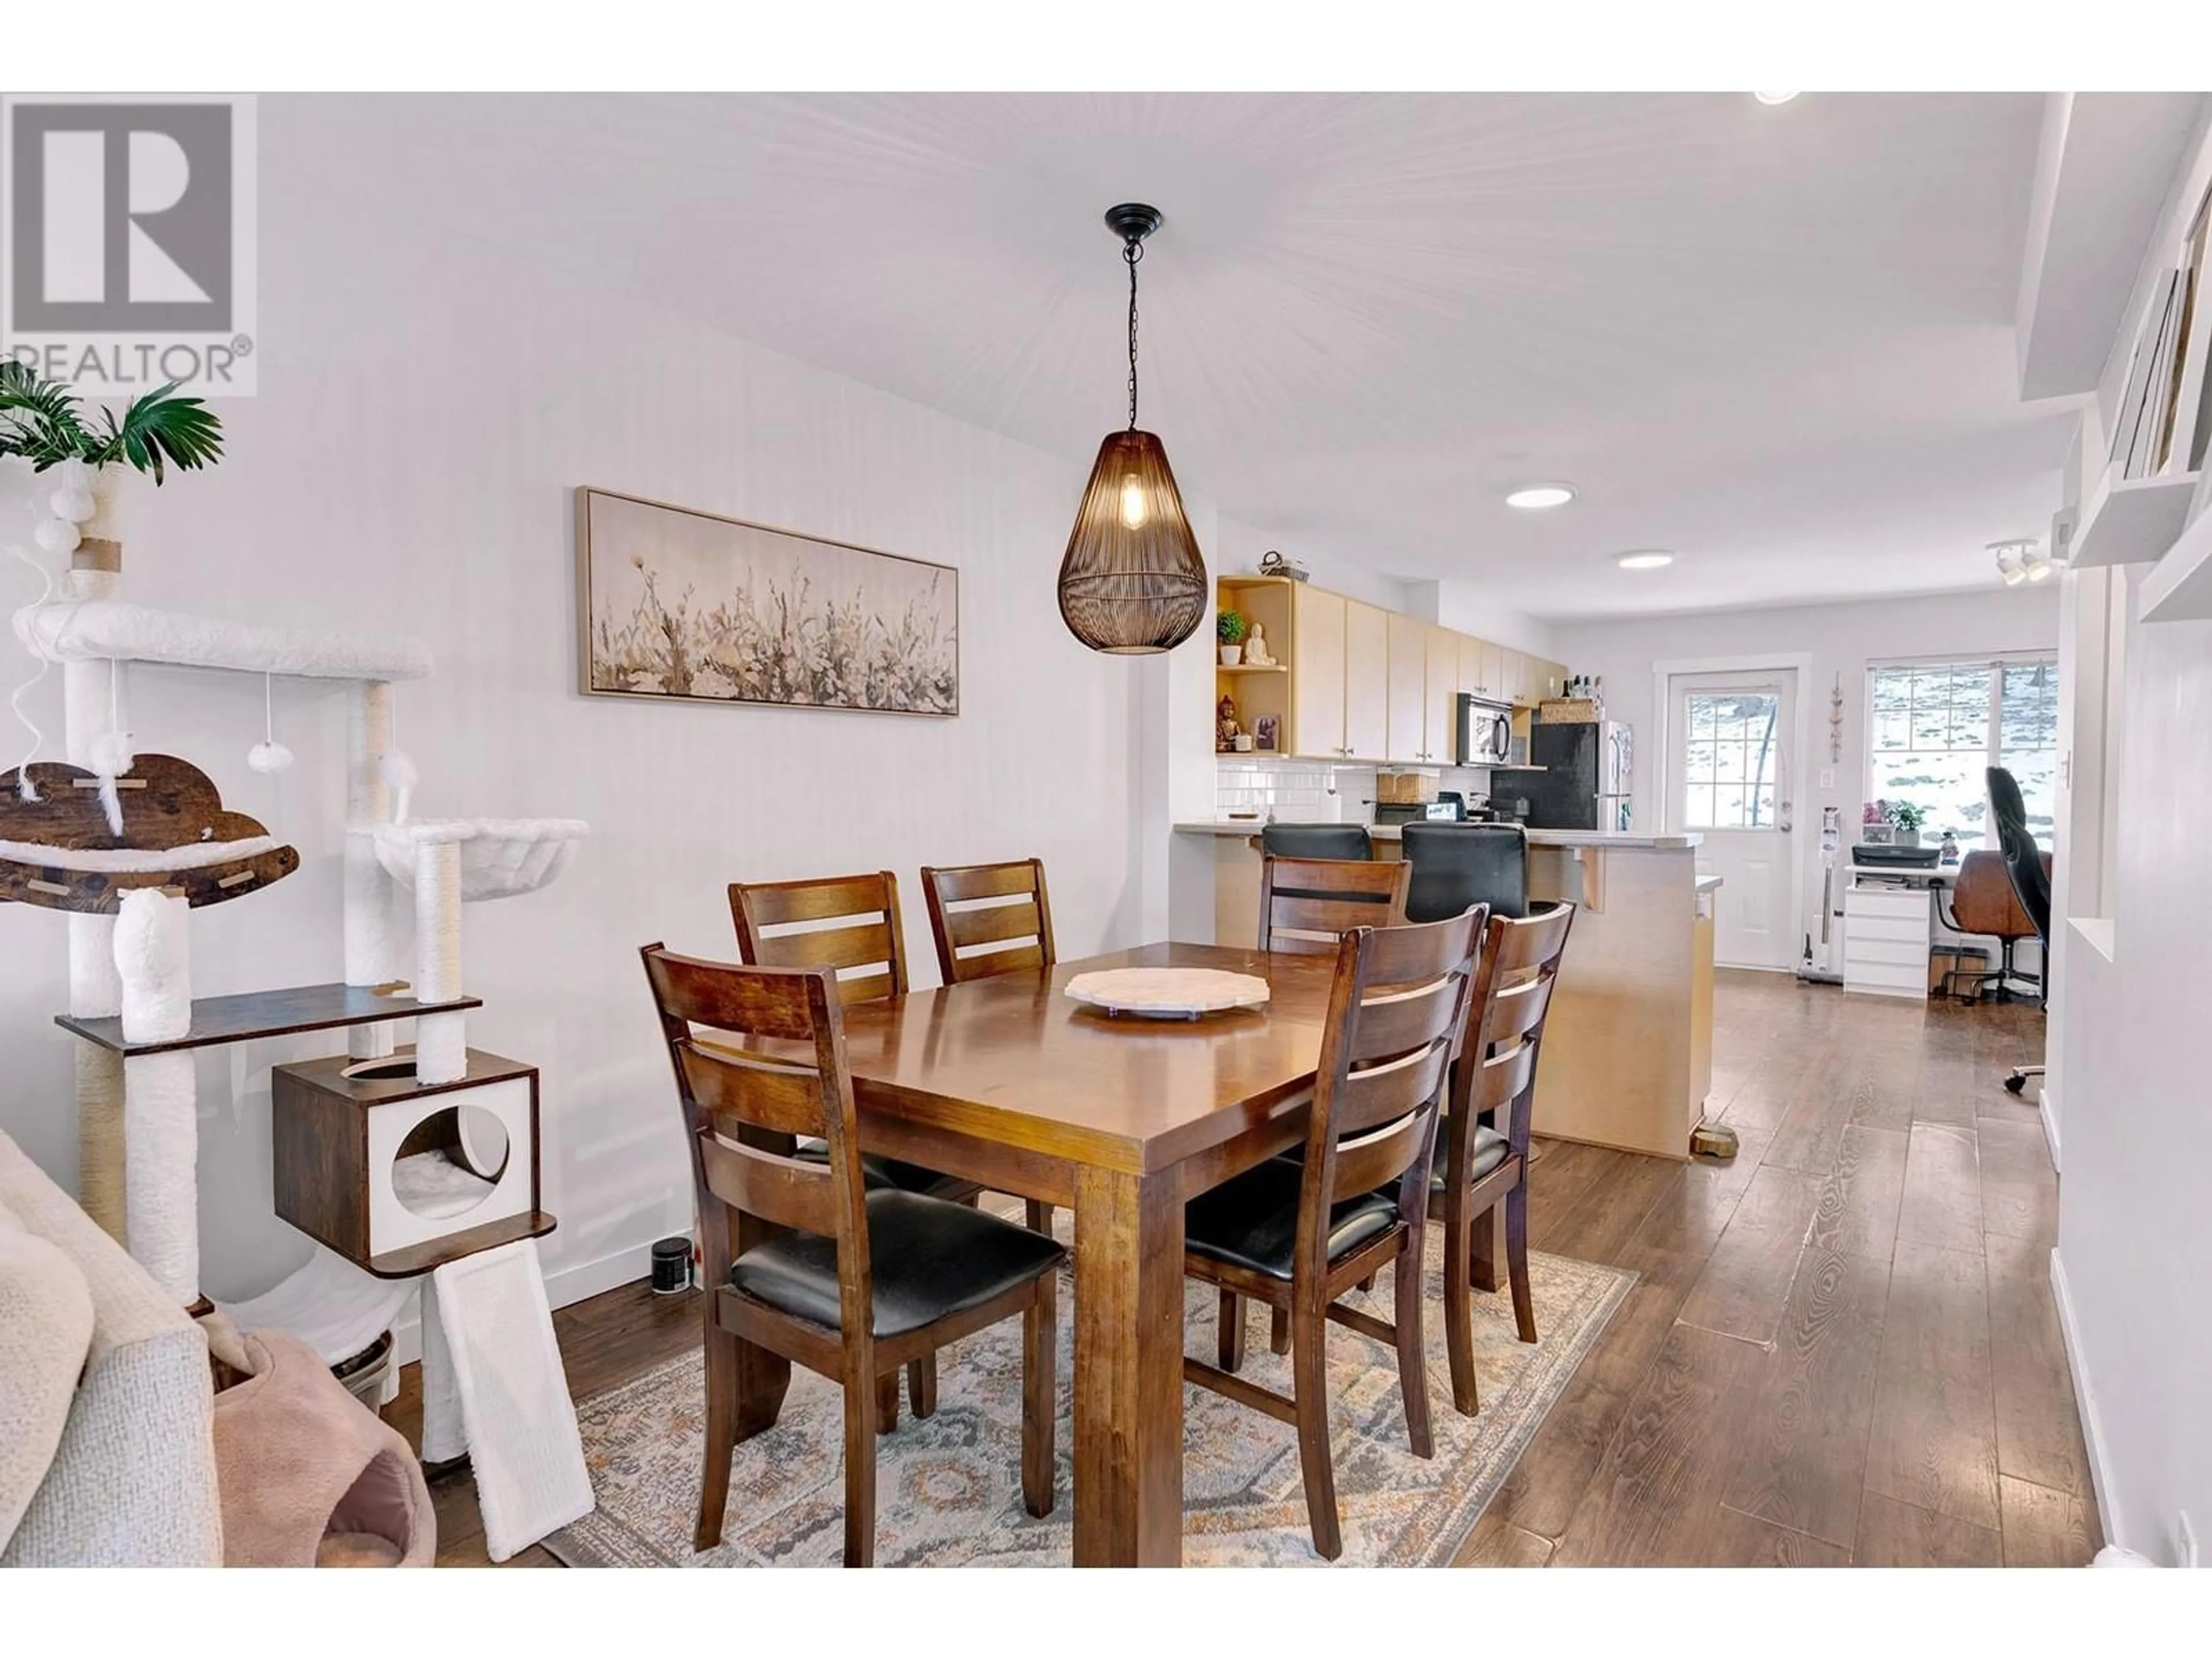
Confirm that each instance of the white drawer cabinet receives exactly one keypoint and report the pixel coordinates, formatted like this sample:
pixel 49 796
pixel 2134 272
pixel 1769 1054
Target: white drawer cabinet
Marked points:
pixel 1886 938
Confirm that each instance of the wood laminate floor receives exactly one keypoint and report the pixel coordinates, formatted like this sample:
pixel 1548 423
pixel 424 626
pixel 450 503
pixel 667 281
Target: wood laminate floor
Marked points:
pixel 1841 1349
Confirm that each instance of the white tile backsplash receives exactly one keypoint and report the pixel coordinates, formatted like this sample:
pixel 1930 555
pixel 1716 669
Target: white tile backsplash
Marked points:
pixel 1297 791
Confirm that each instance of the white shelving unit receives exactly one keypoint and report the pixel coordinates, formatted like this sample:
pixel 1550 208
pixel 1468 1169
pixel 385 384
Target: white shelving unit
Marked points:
pixel 2180 589
pixel 2131 521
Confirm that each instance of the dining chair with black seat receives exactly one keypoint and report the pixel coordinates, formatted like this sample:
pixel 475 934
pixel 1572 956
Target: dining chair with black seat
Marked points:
pixel 1317 841
pixel 1457 865
pixel 808 1263
pixel 849 924
pixel 1306 904
pixel 990 919
pixel 1298 1236
pixel 1482 1165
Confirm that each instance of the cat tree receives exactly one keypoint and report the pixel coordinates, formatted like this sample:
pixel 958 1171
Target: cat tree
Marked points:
pixel 376 1157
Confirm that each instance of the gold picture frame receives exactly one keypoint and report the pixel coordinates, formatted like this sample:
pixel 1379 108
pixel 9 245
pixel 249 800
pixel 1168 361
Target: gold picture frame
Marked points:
pixel 677 604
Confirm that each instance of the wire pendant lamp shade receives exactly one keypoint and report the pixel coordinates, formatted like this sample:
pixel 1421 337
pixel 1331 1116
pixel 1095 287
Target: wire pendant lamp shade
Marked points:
pixel 1133 581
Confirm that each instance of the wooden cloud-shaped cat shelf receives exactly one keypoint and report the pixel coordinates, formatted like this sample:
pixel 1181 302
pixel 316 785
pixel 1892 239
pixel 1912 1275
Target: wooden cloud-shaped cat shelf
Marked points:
pixel 58 852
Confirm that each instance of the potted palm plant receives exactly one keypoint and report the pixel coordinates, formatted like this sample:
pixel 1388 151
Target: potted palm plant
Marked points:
pixel 1229 628
pixel 42 422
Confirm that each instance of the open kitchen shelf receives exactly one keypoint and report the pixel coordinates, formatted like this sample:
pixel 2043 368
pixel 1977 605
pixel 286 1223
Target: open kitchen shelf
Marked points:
pixel 1251 668
pixel 268 1014
pixel 2131 520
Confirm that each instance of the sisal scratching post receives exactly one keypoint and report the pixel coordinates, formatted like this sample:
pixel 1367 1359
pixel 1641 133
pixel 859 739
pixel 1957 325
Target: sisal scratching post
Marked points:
pixel 160 1121
pixel 96 992
pixel 441 1040
pixel 369 957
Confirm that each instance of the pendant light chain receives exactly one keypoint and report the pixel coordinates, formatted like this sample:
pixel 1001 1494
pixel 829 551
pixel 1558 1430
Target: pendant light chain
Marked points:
pixel 1132 250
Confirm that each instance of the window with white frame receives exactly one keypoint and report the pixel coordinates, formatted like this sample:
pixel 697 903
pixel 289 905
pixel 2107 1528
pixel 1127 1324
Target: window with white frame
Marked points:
pixel 1934 729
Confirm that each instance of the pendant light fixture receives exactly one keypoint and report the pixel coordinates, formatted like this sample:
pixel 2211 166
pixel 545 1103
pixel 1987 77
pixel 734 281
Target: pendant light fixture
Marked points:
pixel 1132 582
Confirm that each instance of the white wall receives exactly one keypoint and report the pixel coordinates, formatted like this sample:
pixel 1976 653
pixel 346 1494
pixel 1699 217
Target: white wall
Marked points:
pixel 1470 609
pixel 2127 1035
pixel 426 409
pixel 1842 639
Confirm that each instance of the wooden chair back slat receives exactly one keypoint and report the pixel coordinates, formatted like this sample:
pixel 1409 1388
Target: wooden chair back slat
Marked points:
pixel 858 945
pixel 1379 1086
pixel 1503 1078
pixel 774 1187
pixel 959 884
pixel 1533 939
pixel 1307 904
pixel 763 1094
pixel 991 923
pixel 1515 1010
pixel 1366 1162
pixel 1376 1095
pixel 968 912
pixel 690 991
pixel 771 918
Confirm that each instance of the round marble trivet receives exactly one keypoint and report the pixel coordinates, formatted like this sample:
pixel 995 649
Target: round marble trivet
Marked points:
pixel 1168 993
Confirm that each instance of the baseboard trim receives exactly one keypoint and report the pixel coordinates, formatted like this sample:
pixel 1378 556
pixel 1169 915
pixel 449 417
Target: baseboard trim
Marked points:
pixel 2085 1402
pixel 2046 1109
pixel 572 1284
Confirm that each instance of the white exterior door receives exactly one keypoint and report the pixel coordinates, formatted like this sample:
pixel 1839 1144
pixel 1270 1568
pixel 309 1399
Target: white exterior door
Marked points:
pixel 1729 739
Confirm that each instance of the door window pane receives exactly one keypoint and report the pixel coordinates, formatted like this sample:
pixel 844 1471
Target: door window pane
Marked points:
pixel 1731 764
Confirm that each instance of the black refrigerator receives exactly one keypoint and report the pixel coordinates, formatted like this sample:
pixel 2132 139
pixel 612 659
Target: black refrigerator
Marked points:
pixel 1578 777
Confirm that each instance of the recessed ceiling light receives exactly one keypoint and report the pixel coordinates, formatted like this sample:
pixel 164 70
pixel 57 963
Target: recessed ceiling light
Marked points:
pixel 1649 558
pixel 1534 498
pixel 1774 97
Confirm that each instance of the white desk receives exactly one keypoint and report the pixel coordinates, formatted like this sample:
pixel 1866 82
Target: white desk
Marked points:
pixel 1889 926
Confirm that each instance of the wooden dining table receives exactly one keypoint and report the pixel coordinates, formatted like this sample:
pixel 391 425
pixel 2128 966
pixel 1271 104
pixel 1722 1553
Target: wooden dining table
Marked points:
pixel 1007 1082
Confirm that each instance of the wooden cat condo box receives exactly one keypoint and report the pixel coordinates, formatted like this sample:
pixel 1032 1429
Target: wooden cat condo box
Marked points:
pixel 401 1176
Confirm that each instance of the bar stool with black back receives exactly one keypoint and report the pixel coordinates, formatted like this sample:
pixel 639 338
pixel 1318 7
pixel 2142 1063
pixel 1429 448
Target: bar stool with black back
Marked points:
pixel 1305 904
pixel 1298 1235
pixel 1317 841
pixel 990 919
pixel 1457 865
pixel 808 1265
pixel 779 925
pixel 2030 870
pixel 1481 1164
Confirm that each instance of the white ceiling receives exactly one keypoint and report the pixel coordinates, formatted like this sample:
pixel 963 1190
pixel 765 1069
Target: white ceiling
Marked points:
pixel 1776 340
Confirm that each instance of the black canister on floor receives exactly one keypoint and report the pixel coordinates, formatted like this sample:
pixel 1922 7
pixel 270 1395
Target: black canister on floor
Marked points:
pixel 672 1267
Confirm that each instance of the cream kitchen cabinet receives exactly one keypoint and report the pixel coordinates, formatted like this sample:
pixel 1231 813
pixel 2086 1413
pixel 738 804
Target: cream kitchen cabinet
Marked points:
pixel 1318 673
pixel 1409 653
pixel 1366 681
pixel 1440 697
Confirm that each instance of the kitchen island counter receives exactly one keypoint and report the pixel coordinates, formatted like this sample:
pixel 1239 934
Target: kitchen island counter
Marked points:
pixel 1627 1057
pixel 1389 832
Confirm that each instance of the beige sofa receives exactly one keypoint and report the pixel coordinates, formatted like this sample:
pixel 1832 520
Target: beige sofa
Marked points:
pixel 132 1482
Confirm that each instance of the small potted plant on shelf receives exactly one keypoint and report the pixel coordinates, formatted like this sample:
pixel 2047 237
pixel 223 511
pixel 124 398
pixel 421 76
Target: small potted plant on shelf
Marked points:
pixel 1906 819
pixel 42 422
pixel 1229 627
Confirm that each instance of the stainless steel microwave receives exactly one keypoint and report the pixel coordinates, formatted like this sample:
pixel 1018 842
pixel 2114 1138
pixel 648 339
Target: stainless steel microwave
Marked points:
pixel 1486 733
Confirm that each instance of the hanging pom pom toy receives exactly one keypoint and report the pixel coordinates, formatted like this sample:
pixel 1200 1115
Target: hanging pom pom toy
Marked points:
pixel 268 755
pixel 73 502
pixel 57 536
pixel 399 776
pixel 109 755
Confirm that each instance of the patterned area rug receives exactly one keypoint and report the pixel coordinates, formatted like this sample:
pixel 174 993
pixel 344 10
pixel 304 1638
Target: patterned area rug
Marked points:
pixel 949 1489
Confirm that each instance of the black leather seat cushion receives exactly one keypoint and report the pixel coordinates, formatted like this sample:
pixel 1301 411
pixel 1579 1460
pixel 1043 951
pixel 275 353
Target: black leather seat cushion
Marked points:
pixel 1485 1154
pixel 1349 841
pixel 1252 1221
pixel 890 1174
pixel 926 1259
pixel 1457 865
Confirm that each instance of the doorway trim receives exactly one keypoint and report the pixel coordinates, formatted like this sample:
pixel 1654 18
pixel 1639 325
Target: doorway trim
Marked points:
pixel 1663 705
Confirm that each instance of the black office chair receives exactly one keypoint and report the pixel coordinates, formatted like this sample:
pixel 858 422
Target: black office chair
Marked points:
pixel 2030 882
pixel 1316 841
pixel 1457 865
